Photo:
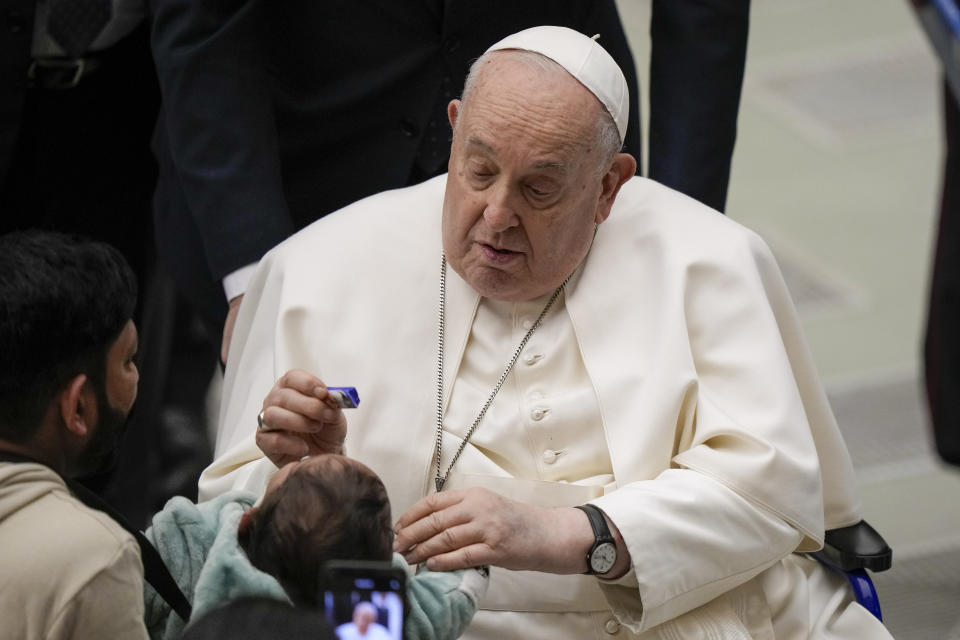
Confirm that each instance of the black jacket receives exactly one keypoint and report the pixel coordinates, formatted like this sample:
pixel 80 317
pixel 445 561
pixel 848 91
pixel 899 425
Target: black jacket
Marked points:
pixel 276 113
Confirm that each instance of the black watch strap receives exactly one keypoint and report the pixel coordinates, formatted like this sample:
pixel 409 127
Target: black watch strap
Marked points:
pixel 601 532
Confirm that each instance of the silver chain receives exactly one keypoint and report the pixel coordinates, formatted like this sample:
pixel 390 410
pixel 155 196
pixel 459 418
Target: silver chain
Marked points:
pixel 441 479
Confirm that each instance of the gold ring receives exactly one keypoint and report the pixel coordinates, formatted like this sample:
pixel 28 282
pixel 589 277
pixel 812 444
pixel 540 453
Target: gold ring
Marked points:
pixel 261 425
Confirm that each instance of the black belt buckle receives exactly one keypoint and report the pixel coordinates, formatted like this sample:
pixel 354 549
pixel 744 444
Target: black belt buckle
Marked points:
pixel 56 73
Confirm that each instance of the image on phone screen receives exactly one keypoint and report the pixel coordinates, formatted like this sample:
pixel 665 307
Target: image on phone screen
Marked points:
pixel 366 615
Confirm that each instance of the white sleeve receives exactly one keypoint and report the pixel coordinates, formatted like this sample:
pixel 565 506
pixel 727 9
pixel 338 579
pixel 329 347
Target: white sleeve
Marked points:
pixel 743 488
pixel 236 282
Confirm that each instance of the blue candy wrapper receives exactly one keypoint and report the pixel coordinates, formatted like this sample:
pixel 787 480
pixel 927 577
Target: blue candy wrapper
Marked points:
pixel 346 397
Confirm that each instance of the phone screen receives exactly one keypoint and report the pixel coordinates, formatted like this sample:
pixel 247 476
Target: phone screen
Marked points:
pixel 365 600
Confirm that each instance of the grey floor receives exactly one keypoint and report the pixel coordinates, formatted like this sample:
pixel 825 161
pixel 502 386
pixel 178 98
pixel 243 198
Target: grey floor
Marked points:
pixel 838 166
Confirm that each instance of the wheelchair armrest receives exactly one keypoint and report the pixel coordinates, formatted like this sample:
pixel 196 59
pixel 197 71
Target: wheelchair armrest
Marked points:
pixel 858 546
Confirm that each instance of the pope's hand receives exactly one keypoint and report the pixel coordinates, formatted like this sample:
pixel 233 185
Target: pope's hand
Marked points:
pixel 300 419
pixel 459 529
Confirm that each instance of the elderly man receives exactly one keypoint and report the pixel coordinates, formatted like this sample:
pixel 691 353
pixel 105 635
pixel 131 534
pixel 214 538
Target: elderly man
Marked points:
pixel 364 625
pixel 617 384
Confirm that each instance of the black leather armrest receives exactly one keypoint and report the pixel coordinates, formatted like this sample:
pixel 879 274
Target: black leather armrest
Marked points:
pixel 858 546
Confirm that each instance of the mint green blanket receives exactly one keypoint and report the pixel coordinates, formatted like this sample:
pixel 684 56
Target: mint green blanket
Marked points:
pixel 198 542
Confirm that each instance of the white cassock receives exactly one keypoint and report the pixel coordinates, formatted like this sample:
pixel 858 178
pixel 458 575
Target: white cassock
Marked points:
pixel 349 631
pixel 670 385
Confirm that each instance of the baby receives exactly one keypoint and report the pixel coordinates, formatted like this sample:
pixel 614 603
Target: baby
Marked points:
pixel 322 508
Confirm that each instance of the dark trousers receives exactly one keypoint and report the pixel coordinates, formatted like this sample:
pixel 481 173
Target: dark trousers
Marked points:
pixel 82 162
pixel 942 345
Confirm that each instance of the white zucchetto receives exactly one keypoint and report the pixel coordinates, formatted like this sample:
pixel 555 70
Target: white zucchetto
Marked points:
pixel 584 59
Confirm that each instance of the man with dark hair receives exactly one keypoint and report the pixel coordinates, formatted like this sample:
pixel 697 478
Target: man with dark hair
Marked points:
pixel 67 384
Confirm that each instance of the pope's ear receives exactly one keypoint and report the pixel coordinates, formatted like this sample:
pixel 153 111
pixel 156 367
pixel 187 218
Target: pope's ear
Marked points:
pixel 453 112
pixel 78 405
pixel 622 168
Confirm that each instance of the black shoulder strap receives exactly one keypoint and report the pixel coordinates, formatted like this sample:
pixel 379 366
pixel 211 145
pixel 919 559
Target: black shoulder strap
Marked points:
pixel 155 571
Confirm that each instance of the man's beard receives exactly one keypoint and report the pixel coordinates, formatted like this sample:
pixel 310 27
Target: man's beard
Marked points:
pixel 102 451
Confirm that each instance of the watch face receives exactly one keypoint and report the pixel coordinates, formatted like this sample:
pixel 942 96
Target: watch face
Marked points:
pixel 603 558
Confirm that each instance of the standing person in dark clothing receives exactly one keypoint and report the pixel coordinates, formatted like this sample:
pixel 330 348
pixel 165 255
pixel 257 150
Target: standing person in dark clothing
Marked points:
pixel 78 106
pixel 273 118
pixel 942 345
pixel 941 348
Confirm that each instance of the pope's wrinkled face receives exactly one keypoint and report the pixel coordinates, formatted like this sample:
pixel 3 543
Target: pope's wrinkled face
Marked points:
pixel 527 182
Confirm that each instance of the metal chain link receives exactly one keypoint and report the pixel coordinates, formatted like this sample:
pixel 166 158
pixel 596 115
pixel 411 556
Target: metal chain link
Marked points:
pixel 441 479
pixel 440 333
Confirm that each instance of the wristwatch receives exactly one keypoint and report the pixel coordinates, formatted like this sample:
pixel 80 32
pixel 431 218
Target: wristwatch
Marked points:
pixel 603 553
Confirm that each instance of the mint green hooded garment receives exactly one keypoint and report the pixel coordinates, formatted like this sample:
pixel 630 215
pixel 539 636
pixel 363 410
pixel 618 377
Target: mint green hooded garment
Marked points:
pixel 198 542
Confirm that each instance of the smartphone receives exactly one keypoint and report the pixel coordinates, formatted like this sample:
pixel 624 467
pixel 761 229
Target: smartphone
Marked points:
pixel 365 599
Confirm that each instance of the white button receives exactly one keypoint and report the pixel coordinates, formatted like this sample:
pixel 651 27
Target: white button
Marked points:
pixel 538 414
pixel 611 626
pixel 527 323
pixel 549 456
pixel 532 358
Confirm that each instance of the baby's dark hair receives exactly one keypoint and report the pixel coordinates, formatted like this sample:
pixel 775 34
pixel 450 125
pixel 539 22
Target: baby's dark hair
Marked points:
pixel 332 509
